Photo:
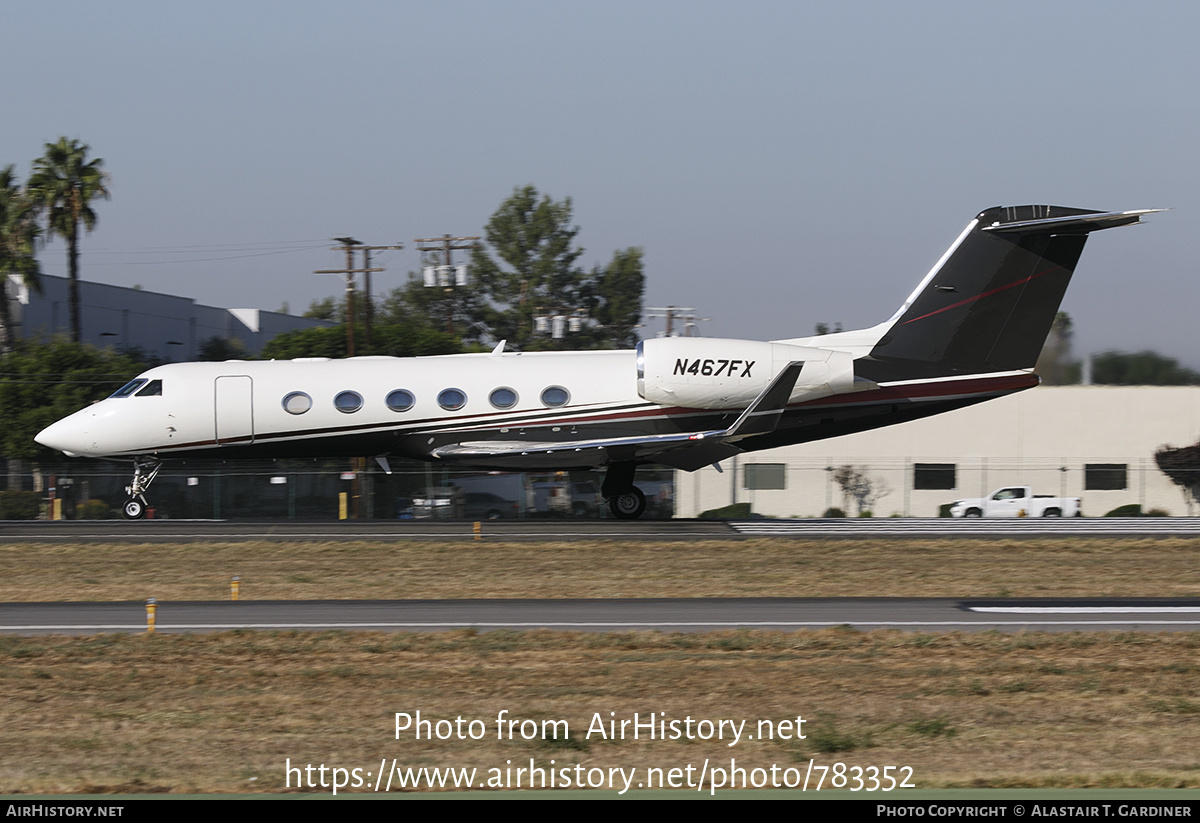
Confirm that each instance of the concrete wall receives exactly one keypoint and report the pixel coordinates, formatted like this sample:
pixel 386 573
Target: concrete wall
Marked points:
pixel 1045 438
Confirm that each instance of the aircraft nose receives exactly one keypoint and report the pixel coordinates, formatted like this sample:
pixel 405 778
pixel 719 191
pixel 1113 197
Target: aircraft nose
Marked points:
pixel 67 436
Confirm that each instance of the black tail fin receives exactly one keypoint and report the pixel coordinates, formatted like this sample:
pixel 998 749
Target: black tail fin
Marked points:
pixel 988 307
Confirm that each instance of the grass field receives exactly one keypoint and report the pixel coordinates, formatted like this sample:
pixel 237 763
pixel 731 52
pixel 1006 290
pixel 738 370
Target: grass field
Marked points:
pixel 225 712
pixel 597 568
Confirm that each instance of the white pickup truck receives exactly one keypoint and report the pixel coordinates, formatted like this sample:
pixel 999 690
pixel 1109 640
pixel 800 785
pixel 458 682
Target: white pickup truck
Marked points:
pixel 1016 501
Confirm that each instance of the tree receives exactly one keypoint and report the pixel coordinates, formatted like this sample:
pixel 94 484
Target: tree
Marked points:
pixel 394 339
pixel 1054 365
pixel 64 183
pixel 618 303
pixel 1144 368
pixel 1183 467
pixel 218 349
pixel 326 309
pixel 534 239
pixel 18 234
pixel 43 383
pixel 859 486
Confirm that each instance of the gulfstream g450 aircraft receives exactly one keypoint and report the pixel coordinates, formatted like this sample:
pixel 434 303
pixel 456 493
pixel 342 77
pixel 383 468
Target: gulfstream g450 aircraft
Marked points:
pixel 970 331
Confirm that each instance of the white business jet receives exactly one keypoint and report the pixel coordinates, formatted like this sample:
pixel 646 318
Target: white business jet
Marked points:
pixel 971 330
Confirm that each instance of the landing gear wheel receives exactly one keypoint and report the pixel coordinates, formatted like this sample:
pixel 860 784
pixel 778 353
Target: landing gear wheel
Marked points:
pixel 628 505
pixel 134 509
pixel 145 469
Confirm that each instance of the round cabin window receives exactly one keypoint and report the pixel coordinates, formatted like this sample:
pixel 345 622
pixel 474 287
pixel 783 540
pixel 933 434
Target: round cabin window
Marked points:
pixel 348 402
pixel 555 396
pixel 297 403
pixel 503 398
pixel 452 399
pixel 400 400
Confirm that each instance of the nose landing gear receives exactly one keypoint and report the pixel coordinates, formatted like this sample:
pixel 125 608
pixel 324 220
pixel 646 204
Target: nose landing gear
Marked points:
pixel 145 469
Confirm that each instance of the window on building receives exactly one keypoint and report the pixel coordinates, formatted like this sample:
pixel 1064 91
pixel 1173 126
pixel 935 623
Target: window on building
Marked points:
pixel 765 476
pixel 1105 476
pixel 934 476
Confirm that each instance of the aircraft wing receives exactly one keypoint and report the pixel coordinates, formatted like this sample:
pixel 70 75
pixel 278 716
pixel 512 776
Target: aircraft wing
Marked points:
pixel 685 450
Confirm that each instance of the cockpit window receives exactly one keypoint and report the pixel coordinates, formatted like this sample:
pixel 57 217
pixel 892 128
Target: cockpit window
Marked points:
pixel 153 389
pixel 129 388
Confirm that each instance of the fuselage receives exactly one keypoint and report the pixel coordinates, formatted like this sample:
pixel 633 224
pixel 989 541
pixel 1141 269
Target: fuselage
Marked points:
pixel 363 405
pixel 410 407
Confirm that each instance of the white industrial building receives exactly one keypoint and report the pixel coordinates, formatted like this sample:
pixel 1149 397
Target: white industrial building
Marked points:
pixel 1092 442
pixel 163 325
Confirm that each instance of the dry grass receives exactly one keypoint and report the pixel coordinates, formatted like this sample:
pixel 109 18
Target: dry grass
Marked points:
pixel 224 712
pixel 593 568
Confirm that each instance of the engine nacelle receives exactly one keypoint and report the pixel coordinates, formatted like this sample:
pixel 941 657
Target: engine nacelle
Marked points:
pixel 711 373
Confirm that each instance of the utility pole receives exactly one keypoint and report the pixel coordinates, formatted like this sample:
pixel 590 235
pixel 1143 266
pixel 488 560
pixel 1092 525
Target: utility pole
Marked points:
pixel 445 245
pixel 370 307
pixel 350 245
pixel 673 313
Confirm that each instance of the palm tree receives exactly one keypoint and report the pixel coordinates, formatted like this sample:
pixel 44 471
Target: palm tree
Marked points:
pixel 64 183
pixel 18 232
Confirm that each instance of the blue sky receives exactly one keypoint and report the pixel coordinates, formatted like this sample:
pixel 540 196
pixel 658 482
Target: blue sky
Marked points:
pixel 781 163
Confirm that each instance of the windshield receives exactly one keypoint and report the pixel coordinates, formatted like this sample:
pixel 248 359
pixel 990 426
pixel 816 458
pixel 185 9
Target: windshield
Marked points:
pixel 129 388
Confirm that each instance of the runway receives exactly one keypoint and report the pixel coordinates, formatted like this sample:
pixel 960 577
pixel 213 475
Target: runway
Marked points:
pixel 667 615
pixel 186 531
pixel 207 531
pixel 670 615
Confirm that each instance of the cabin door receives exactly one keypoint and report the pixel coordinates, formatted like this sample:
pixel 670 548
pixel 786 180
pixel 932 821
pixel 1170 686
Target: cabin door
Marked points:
pixel 234 410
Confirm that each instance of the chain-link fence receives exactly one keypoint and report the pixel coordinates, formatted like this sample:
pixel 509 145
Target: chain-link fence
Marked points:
pixel 312 489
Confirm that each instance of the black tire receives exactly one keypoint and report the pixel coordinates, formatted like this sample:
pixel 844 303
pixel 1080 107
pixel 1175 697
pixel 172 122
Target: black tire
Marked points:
pixel 134 509
pixel 1052 513
pixel 973 513
pixel 628 505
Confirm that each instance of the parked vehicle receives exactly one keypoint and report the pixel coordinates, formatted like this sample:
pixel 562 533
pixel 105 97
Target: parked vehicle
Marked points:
pixel 437 502
pixel 488 506
pixel 1017 501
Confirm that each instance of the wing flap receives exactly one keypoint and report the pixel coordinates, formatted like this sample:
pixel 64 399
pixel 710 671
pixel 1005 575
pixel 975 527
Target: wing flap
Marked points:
pixel 686 450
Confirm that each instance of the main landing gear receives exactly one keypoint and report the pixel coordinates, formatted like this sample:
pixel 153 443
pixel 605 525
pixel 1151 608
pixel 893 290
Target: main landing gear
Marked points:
pixel 625 500
pixel 145 469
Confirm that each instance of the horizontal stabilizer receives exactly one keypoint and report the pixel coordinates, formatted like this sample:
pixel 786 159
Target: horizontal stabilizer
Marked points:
pixel 1075 222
